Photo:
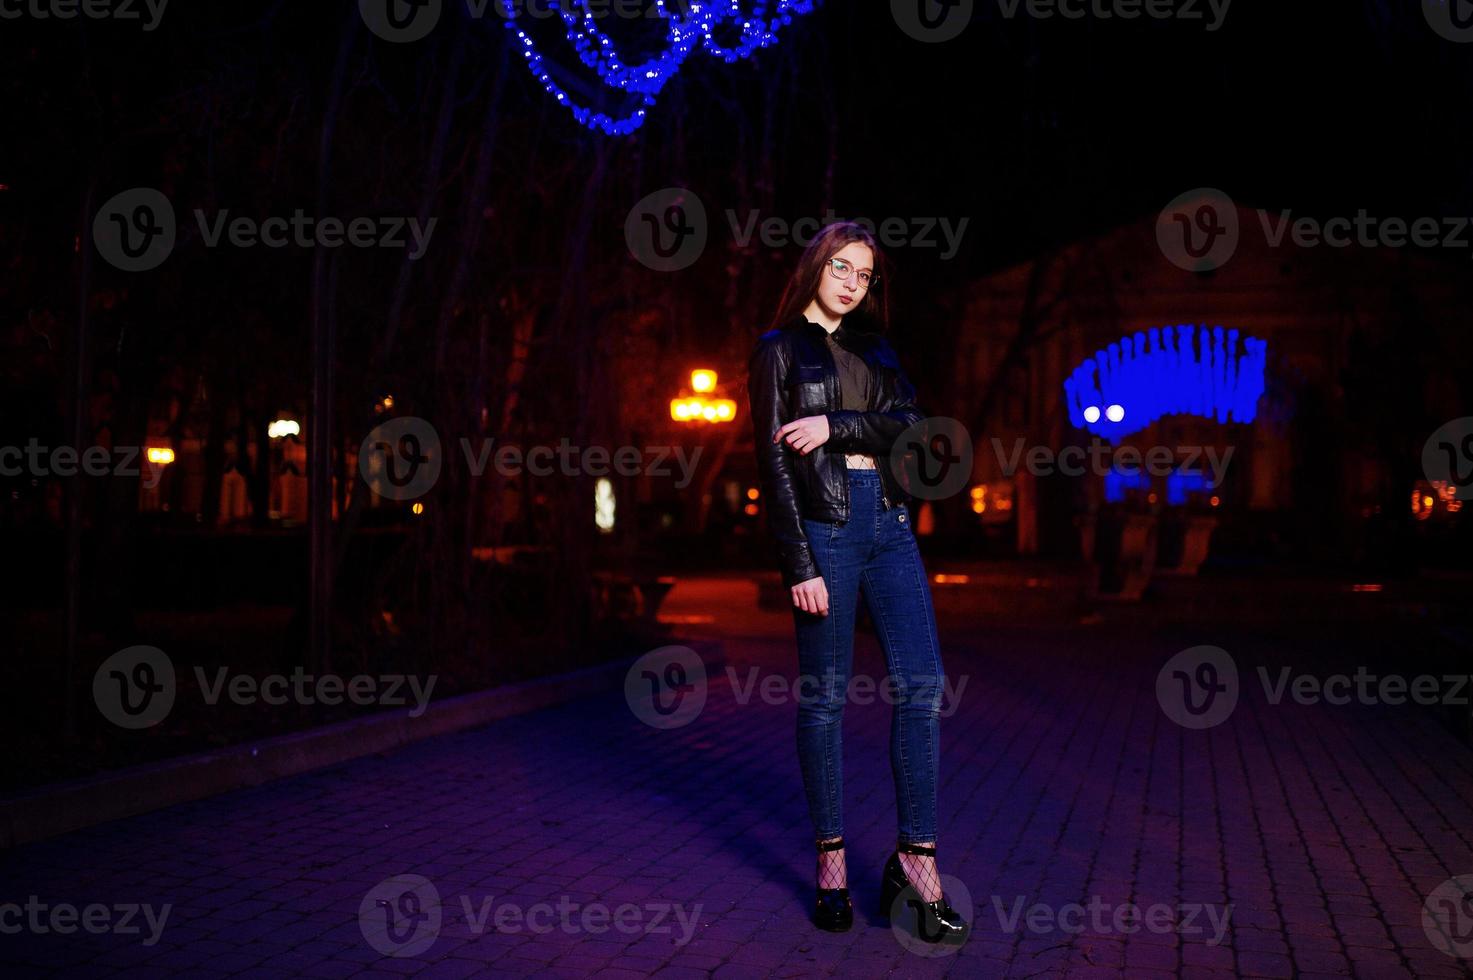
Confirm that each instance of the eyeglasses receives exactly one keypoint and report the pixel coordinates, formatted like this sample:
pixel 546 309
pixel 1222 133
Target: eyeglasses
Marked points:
pixel 840 269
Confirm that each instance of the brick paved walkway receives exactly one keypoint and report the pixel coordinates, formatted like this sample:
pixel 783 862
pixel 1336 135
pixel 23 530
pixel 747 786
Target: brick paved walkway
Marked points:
pixel 1318 831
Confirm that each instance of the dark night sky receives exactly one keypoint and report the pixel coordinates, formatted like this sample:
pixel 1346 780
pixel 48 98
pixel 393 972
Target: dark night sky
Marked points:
pixel 1038 131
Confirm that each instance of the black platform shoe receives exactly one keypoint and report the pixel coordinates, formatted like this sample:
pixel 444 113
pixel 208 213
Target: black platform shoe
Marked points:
pixel 936 922
pixel 832 909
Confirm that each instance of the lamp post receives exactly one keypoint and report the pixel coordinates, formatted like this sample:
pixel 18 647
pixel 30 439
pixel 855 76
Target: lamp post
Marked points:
pixel 696 407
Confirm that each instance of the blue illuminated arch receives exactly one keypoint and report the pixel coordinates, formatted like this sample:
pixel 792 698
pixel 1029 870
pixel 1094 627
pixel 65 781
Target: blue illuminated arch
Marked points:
pixel 1139 379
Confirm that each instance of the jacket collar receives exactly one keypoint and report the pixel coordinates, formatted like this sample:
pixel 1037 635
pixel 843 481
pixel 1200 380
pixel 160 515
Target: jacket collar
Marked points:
pixel 845 335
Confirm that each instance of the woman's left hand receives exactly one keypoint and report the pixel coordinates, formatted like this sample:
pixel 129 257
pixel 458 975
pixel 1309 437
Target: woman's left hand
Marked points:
pixel 805 434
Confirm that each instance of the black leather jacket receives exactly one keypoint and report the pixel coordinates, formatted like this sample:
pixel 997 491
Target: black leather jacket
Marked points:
pixel 791 375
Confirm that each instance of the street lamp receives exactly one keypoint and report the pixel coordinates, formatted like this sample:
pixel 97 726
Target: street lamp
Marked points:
pixel 696 408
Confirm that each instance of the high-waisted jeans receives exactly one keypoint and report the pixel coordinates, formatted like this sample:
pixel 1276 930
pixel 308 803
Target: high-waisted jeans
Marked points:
pixel 874 551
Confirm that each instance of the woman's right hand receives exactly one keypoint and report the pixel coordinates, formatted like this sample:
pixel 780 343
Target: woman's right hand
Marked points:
pixel 812 596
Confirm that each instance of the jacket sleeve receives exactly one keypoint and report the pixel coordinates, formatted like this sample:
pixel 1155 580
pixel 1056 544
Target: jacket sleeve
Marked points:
pixel 876 432
pixel 775 465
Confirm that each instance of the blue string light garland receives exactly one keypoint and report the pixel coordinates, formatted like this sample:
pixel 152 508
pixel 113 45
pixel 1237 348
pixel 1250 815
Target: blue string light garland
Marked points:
pixel 686 33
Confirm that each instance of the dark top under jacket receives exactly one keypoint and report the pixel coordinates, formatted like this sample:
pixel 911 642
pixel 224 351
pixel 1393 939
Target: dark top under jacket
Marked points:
pixel 854 378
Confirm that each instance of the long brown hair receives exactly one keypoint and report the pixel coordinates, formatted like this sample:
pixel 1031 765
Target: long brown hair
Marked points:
pixel 872 313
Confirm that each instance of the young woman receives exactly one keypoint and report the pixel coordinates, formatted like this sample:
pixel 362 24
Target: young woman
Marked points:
pixel 829 401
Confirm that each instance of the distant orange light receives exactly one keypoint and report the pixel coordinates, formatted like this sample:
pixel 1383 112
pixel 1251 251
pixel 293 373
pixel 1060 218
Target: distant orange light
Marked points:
pixel 418 508
pixel 162 455
pixel 752 493
pixel 751 510
pixel 1151 499
pixel 1215 501
pixel 1367 587
pixel 702 380
pixel 943 579
pixel 702 409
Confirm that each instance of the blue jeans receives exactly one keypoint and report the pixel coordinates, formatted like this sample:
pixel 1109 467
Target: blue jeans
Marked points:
pixel 874 551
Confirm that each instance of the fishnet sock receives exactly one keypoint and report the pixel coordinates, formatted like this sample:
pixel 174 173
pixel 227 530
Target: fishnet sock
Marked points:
pixel 921 870
pixel 831 870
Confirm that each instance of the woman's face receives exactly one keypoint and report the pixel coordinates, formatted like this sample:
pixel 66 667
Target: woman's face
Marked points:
pixel 840 296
